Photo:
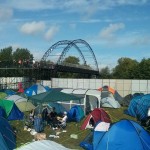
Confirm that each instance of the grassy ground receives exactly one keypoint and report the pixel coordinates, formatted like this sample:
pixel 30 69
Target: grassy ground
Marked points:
pixel 72 128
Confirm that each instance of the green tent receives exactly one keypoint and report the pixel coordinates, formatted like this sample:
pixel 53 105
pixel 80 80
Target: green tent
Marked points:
pixel 7 106
pixel 11 110
pixel 52 96
pixel 25 106
pixel 2 95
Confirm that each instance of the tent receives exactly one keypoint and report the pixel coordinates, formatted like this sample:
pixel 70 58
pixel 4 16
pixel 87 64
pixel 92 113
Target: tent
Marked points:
pixel 58 107
pixel 110 102
pixel 127 99
pixel 90 99
pixel 43 144
pixel 25 106
pixel 110 97
pixel 16 98
pixel 12 111
pixel 22 103
pixel 75 113
pixel 36 89
pixel 7 136
pixel 8 91
pixel 122 135
pixel 2 112
pixel 2 95
pixel 98 114
pixel 107 91
pixel 52 96
pixel 139 106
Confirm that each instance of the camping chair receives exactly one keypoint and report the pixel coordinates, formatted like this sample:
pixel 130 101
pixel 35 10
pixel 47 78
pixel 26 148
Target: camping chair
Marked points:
pixel 61 126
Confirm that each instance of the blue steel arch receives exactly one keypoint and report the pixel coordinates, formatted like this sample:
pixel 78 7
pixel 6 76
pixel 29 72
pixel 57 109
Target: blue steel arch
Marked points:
pixel 70 44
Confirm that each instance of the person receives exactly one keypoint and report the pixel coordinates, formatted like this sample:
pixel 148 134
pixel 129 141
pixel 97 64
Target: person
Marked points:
pixel 63 121
pixel 52 118
pixel 31 116
pixel 45 114
pixel 38 123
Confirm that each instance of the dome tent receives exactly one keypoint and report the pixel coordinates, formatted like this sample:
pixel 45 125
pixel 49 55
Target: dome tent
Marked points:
pixel 98 114
pixel 12 111
pixel 110 97
pixel 7 136
pixel 36 89
pixel 123 135
pixel 76 113
pixel 139 107
pixel 22 103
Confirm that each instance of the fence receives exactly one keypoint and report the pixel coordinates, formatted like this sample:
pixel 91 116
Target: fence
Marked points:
pixel 124 87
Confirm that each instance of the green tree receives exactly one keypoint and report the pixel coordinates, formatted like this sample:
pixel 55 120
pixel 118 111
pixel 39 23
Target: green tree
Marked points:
pixel 126 69
pixel 105 73
pixel 71 60
pixel 144 69
pixel 22 54
pixel 6 56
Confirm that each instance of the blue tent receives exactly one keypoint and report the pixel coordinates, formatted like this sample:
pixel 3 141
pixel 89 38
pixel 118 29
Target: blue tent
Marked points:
pixel 36 89
pixel 11 110
pixel 76 113
pixel 139 106
pixel 7 136
pixel 122 135
pixel 2 112
pixel 8 91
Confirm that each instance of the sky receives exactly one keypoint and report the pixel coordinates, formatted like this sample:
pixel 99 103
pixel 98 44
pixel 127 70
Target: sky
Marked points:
pixel 112 28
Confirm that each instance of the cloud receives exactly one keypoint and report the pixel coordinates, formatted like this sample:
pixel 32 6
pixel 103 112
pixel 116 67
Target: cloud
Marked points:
pixel 5 14
pixel 109 32
pixel 51 32
pixel 33 27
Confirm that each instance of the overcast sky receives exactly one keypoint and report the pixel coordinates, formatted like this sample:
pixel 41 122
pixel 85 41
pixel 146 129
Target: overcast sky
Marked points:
pixel 113 28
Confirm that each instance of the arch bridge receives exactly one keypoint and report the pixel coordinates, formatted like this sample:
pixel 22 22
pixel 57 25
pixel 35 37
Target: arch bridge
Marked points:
pixel 53 62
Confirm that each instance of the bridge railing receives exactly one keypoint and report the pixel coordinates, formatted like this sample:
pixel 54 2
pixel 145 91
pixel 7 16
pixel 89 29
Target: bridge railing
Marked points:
pixel 24 64
pixel 77 66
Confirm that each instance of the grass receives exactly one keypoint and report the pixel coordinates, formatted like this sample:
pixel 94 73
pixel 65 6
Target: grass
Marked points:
pixel 72 128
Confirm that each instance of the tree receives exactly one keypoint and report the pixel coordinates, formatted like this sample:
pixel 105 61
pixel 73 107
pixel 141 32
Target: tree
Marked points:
pixel 105 73
pixel 22 55
pixel 144 69
pixel 71 60
pixel 126 69
pixel 6 56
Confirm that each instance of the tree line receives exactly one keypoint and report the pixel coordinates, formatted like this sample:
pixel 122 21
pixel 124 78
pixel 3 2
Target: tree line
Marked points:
pixel 126 68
